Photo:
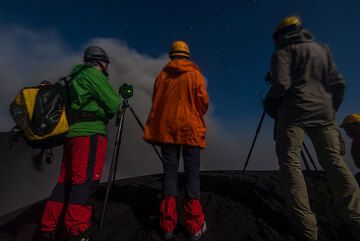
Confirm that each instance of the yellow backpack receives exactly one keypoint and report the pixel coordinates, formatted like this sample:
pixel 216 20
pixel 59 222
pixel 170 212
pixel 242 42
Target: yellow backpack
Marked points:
pixel 40 114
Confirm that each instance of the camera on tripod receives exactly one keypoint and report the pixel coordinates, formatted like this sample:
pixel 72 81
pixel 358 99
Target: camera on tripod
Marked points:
pixel 126 91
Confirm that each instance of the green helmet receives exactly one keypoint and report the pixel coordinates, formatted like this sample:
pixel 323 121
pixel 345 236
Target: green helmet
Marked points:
pixel 95 53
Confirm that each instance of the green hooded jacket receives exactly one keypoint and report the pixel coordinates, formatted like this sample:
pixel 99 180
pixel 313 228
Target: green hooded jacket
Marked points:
pixel 91 91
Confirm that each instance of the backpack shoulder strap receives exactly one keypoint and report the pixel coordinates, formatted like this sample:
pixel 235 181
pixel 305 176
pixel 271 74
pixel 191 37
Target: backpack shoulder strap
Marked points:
pixel 67 79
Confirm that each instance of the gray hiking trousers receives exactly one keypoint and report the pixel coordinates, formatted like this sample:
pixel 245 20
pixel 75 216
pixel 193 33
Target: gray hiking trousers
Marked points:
pixel 330 148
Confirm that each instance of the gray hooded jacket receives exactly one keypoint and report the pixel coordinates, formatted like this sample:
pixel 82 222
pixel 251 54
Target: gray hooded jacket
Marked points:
pixel 305 81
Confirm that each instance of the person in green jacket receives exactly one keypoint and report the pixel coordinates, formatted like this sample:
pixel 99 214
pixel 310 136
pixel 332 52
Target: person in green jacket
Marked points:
pixel 92 103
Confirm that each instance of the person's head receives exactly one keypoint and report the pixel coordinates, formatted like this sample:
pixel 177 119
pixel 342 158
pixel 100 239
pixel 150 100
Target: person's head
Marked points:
pixel 179 50
pixel 97 57
pixel 287 25
pixel 351 125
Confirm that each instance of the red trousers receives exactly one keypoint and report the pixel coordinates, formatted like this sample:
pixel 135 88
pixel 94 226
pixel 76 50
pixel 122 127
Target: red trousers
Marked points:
pixel 81 169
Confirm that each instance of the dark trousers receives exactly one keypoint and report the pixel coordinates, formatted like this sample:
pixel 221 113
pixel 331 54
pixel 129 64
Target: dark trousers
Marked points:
pixel 171 155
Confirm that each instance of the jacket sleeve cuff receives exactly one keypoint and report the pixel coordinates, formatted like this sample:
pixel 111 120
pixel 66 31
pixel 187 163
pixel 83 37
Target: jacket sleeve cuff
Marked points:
pixel 271 107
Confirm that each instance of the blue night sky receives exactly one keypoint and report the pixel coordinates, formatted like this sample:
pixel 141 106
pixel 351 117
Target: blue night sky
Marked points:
pixel 230 41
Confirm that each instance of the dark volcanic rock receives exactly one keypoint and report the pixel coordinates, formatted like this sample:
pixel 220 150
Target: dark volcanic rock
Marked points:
pixel 237 207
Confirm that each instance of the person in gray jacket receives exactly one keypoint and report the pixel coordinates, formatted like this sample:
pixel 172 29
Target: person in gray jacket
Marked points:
pixel 304 97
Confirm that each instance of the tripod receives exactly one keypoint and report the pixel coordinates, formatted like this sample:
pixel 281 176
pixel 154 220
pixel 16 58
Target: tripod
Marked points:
pixel 115 157
pixel 302 152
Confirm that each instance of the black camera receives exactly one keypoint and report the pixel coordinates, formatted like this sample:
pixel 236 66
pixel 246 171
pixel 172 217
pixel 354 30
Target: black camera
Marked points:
pixel 126 91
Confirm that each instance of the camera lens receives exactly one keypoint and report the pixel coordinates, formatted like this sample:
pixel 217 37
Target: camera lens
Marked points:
pixel 126 91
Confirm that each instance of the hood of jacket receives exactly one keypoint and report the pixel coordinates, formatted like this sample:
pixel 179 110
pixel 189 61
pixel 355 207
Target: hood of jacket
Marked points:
pixel 295 37
pixel 179 66
pixel 78 68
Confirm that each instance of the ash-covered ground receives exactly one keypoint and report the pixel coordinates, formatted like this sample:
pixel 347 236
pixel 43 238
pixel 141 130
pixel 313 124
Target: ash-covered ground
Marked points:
pixel 237 207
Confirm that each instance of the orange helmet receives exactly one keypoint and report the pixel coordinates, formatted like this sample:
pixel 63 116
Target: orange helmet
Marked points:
pixel 179 48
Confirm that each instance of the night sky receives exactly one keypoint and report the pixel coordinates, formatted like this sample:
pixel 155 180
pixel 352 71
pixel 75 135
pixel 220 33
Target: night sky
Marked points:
pixel 230 40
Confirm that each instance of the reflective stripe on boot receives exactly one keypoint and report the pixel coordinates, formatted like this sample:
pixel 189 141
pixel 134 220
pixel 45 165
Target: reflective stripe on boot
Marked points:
pixel 198 235
pixel 194 216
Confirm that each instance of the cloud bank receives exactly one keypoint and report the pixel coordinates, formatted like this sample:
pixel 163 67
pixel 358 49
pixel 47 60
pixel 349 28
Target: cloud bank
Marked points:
pixel 28 57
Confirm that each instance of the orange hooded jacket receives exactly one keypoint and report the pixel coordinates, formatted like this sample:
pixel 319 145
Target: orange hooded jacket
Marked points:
pixel 179 103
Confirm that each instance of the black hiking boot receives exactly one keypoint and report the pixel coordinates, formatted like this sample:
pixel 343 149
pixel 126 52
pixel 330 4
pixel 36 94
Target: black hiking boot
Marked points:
pixel 167 236
pixel 47 236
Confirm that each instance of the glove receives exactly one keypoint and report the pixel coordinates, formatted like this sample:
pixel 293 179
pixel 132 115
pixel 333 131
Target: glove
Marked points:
pixel 355 151
pixel 271 107
pixel 337 91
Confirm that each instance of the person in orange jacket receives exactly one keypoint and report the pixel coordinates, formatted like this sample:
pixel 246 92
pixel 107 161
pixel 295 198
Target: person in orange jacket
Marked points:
pixel 176 124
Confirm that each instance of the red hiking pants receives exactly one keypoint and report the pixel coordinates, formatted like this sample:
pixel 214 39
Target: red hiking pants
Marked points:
pixel 81 169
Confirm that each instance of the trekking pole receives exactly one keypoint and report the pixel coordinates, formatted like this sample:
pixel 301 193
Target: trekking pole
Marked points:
pixel 112 173
pixel 253 143
pixel 142 127
pixel 310 157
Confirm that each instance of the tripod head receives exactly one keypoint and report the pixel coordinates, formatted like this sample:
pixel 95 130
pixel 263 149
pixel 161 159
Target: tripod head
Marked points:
pixel 126 91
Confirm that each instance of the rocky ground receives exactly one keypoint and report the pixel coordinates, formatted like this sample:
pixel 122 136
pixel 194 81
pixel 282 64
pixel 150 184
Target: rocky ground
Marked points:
pixel 237 207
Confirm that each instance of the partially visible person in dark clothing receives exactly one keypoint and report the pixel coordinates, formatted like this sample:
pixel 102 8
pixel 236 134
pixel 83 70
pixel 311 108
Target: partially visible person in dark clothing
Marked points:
pixel 351 125
pixel 304 97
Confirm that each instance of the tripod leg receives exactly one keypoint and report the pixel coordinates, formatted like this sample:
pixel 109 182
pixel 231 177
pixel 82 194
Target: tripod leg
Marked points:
pixel 142 127
pixel 118 140
pixel 114 160
pixel 253 143
pixel 310 157
pixel 305 161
